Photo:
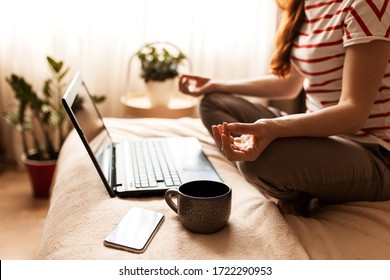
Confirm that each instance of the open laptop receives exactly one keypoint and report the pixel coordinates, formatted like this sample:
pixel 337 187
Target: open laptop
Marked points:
pixel 125 167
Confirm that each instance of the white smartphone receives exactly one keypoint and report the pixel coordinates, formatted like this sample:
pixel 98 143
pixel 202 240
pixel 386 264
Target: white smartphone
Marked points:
pixel 135 230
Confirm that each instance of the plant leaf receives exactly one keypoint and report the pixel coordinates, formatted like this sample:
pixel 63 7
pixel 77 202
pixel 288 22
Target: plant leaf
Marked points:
pixel 55 65
pixel 99 98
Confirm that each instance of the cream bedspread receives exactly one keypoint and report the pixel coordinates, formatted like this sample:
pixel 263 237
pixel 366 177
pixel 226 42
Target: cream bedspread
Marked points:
pixel 81 214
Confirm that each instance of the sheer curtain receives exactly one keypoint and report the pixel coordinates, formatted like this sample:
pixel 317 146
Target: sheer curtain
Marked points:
pixel 222 38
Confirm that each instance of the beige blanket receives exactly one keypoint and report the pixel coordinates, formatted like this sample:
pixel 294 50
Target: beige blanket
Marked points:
pixel 82 214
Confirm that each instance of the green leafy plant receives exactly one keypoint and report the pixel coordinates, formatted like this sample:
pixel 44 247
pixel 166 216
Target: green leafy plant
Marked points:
pixel 159 63
pixel 40 117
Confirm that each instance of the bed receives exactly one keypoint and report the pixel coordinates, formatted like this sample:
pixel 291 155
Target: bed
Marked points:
pixel 81 214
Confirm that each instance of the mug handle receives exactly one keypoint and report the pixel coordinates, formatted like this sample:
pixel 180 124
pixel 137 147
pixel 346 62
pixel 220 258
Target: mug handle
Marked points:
pixel 168 198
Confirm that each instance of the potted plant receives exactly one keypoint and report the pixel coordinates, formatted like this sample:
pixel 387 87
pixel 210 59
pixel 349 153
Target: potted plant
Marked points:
pixel 42 122
pixel 159 67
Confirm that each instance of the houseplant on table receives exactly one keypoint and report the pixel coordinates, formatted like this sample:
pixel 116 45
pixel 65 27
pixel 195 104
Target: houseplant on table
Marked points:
pixel 42 122
pixel 159 67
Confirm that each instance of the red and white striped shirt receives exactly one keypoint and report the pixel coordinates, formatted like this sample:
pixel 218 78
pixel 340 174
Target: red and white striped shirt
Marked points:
pixel 319 52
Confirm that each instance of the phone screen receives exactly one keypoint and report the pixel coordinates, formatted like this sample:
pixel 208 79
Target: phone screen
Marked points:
pixel 135 231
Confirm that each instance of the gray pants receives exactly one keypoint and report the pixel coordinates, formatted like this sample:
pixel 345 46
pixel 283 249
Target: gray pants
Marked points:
pixel 332 169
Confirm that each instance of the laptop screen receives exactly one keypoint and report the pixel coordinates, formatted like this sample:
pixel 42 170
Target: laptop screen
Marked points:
pixel 89 124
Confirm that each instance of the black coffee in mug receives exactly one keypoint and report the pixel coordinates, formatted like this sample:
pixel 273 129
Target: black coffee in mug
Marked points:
pixel 202 206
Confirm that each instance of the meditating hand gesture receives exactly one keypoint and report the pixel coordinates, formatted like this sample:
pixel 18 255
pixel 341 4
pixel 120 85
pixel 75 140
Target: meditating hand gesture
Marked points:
pixel 194 85
pixel 247 147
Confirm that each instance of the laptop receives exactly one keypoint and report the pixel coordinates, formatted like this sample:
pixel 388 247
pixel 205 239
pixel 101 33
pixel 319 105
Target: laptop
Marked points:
pixel 134 167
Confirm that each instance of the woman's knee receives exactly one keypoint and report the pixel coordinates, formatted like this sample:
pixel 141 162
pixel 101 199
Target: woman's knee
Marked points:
pixel 211 97
pixel 214 102
pixel 209 110
pixel 266 179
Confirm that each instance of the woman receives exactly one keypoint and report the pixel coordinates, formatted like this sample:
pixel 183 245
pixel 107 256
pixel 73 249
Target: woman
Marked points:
pixel 339 150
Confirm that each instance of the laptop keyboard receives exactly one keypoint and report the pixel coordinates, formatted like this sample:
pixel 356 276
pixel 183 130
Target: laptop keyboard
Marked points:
pixel 152 165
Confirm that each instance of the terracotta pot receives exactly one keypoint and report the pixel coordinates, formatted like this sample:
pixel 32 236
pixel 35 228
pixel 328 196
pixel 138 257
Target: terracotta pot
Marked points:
pixel 41 175
pixel 160 93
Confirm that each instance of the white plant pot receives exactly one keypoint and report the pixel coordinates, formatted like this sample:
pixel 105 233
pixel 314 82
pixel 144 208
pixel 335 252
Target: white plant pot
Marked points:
pixel 160 92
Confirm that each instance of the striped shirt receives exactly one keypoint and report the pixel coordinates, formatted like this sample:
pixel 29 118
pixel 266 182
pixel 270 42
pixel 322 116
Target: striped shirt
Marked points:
pixel 319 52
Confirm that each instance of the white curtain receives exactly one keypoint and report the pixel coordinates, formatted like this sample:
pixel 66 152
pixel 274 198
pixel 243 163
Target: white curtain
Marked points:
pixel 222 38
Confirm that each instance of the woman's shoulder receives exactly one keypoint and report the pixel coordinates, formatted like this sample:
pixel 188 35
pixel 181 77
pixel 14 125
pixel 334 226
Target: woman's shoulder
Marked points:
pixel 367 20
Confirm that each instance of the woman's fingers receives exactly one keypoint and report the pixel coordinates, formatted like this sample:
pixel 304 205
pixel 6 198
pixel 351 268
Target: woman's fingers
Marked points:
pixel 184 84
pixel 231 153
pixel 217 132
pixel 234 148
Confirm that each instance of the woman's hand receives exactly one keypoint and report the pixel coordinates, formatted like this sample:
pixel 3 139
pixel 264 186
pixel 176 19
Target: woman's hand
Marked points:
pixel 194 85
pixel 255 137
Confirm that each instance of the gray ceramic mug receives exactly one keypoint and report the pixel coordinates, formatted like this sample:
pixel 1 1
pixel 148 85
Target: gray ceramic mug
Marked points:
pixel 202 206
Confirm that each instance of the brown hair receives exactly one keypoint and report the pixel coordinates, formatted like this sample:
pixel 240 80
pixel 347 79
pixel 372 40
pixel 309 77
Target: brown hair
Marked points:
pixel 293 18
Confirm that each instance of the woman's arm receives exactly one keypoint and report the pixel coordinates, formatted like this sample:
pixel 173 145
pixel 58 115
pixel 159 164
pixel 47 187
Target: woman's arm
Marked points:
pixel 270 87
pixel 364 68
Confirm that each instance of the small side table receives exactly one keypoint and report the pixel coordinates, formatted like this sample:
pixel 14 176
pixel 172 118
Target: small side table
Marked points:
pixel 138 106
